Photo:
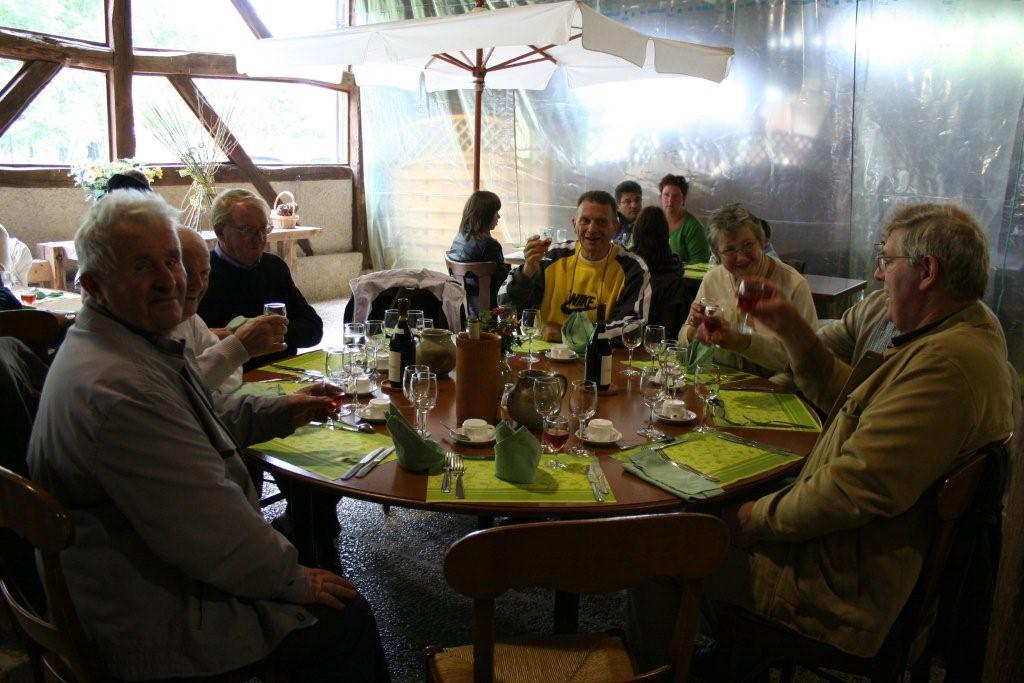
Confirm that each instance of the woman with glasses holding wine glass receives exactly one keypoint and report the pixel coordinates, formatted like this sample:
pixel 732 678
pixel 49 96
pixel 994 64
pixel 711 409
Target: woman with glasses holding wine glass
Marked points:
pixel 730 289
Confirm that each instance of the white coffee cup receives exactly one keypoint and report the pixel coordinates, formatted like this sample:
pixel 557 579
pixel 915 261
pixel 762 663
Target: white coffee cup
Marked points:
pixel 674 409
pixel 378 407
pixel 477 430
pixel 600 430
pixel 560 351
pixel 361 385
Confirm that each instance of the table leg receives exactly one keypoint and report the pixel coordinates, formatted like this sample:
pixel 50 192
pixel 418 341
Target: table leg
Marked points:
pixel 567 612
pixel 286 250
pixel 56 257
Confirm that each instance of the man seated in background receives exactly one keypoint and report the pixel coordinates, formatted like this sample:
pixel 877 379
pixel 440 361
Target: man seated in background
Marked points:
pixel 835 555
pixel 173 571
pixel 594 271
pixel 629 199
pixel 243 277
pixel 219 361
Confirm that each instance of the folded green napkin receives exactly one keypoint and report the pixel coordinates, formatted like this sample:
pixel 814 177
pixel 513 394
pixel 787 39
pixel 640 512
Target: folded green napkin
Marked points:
pixel 414 452
pixel 516 454
pixel 652 468
pixel 576 331
pixel 235 323
pixel 698 353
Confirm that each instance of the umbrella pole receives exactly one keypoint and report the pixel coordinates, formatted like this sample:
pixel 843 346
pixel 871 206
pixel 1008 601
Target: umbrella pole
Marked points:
pixel 478 95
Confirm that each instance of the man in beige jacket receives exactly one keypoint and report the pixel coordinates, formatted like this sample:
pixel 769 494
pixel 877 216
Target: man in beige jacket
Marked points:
pixel 835 554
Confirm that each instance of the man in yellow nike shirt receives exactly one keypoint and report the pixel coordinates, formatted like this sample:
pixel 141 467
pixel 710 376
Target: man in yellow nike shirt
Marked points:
pixel 563 280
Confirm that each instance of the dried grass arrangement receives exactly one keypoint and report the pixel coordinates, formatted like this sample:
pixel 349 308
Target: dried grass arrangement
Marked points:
pixel 197 151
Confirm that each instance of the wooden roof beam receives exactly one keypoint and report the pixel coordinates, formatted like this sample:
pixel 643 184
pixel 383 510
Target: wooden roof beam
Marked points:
pixel 120 106
pixel 31 46
pixel 22 89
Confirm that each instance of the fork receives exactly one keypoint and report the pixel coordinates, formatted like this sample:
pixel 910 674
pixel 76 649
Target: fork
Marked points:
pixel 687 468
pixel 458 469
pixel 446 481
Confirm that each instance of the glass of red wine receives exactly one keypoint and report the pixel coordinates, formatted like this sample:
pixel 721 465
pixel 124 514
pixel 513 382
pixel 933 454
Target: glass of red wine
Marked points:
pixel 712 319
pixel 748 294
pixel 556 433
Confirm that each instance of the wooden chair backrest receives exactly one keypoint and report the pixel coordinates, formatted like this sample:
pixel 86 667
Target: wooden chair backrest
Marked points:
pixel 36 516
pixel 952 497
pixel 586 556
pixel 484 271
pixel 39 330
pixel 796 264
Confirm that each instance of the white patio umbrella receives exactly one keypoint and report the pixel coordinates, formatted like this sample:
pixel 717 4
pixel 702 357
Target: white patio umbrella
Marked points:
pixel 514 47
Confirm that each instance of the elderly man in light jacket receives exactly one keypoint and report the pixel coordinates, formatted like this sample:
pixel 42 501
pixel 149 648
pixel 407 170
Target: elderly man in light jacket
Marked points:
pixel 174 572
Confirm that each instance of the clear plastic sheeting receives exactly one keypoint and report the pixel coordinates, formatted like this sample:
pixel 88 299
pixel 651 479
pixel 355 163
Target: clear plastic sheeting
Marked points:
pixel 833 113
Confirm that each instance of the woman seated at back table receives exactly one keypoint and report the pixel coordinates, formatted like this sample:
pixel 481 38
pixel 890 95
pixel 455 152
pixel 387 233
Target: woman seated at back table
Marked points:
pixel 737 239
pixel 669 302
pixel 474 242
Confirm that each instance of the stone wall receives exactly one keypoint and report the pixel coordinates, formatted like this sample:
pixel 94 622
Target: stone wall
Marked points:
pixel 36 215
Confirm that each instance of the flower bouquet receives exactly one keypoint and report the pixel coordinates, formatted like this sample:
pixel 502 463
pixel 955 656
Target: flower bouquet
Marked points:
pixel 93 176
pixel 503 322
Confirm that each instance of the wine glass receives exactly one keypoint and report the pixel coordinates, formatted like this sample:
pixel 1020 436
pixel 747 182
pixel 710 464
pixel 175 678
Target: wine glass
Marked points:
pixel 651 391
pixel 632 335
pixel 427 324
pixel 555 434
pixel 670 368
pixel 424 394
pixel 415 323
pixel 407 376
pixel 682 351
pixel 336 373
pixel 529 325
pixel 356 364
pixel 390 322
pixel 547 395
pixel 748 293
pixel 374 330
pixel 712 316
pixel 706 380
pixel 582 406
pixel 654 341
pixel 354 333
pixel 275 308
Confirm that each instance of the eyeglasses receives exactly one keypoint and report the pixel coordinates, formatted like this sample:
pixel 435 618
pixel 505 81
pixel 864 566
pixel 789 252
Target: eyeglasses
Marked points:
pixel 747 248
pixel 252 231
pixel 882 262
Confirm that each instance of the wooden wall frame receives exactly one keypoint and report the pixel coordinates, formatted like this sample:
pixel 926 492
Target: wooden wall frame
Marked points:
pixel 44 55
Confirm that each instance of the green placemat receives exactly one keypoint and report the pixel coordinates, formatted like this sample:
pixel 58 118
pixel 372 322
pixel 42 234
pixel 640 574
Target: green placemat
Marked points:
pixel 538 346
pixel 268 388
pixel 764 410
pixel 722 455
pixel 696 271
pixel 728 375
pixel 328 453
pixel 312 360
pixel 567 485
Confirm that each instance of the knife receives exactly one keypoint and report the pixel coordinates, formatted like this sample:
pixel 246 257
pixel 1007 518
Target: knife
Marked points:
pixel 594 486
pixel 365 459
pixel 601 479
pixel 294 368
pixel 374 462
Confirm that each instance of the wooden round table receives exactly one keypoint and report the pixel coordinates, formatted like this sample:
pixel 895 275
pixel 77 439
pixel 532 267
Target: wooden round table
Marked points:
pixel 391 485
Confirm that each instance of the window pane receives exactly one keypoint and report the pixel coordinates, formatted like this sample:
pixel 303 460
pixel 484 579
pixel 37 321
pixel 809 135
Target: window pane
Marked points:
pixel 284 123
pixel 154 94
pixel 204 25
pixel 66 123
pixel 8 67
pixel 281 19
pixel 72 18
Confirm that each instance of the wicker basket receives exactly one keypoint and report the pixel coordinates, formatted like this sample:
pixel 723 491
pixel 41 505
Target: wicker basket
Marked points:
pixel 279 221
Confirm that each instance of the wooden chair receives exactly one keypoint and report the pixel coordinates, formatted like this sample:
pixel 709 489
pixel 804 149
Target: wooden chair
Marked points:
pixel 39 330
pixel 577 556
pixel 904 647
pixel 59 646
pixel 484 271
pixel 41 274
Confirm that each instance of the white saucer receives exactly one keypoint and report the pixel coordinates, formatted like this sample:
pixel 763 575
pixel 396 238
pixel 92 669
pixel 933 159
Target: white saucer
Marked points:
pixel 460 437
pixel 366 417
pixel 690 417
pixel 567 359
pixel 616 435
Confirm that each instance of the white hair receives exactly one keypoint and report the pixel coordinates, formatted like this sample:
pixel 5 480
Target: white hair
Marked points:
pixel 96 238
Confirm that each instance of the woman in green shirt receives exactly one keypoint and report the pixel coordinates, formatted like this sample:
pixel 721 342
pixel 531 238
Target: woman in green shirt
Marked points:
pixel 686 234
